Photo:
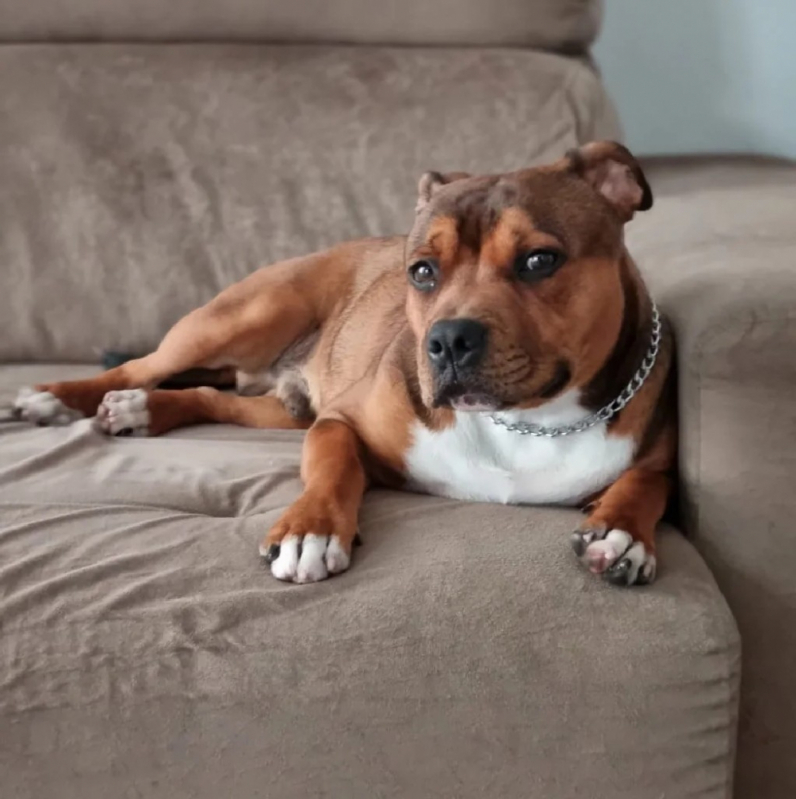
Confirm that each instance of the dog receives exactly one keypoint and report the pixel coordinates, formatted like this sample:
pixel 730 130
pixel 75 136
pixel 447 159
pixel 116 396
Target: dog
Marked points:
pixel 505 350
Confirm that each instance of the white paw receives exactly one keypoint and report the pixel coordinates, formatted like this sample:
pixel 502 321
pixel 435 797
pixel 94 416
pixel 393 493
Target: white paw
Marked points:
pixel 307 560
pixel 124 413
pixel 615 555
pixel 43 408
pixel 604 552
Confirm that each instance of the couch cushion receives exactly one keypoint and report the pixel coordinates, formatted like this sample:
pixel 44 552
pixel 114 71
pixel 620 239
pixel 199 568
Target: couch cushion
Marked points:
pixel 139 181
pixel 719 249
pixel 553 24
pixel 145 650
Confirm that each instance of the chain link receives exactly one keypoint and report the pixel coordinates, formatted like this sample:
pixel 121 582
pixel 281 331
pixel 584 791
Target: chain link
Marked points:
pixel 608 411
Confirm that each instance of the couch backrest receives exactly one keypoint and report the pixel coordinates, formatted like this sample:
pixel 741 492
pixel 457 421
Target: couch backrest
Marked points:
pixel 138 180
pixel 563 25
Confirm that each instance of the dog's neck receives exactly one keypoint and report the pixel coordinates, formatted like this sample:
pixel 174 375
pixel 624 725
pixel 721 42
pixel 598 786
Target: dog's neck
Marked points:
pixel 631 345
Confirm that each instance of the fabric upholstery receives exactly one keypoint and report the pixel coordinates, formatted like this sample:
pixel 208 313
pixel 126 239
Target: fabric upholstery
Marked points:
pixel 568 25
pixel 719 249
pixel 140 181
pixel 146 651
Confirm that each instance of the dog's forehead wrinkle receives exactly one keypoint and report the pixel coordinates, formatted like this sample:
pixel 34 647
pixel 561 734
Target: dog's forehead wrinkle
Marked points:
pixel 473 215
pixel 531 200
pixel 553 203
pixel 505 193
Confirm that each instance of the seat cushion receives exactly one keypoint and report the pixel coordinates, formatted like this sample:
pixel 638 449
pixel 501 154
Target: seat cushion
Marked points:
pixel 139 181
pixel 145 649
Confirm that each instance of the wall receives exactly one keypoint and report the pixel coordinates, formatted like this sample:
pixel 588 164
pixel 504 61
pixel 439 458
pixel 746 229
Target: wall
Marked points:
pixel 703 75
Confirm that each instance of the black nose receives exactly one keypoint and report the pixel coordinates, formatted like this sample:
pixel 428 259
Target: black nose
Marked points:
pixel 459 343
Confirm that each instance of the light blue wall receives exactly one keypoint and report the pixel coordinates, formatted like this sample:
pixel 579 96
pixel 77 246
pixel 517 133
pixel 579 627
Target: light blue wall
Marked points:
pixel 702 75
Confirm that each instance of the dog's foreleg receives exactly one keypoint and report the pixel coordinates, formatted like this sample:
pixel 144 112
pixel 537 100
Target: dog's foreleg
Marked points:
pixel 314 536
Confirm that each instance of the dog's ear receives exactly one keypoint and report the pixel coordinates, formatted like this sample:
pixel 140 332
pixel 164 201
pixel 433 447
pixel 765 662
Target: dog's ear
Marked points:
pixel 613 171
pixel 431 183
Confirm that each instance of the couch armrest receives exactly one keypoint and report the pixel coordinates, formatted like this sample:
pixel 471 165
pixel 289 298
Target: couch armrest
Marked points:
pixel 719 252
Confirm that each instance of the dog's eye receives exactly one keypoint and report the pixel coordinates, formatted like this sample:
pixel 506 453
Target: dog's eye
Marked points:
pixel 423 275
pixel 537 264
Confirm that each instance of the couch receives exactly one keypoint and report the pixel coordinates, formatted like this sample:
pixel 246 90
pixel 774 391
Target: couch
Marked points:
pixel 150 154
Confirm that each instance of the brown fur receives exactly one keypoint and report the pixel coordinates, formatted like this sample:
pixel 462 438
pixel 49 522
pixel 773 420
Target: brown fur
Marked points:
pixel 361 335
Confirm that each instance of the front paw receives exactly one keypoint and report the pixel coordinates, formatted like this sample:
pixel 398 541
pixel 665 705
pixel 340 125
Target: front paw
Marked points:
pixel 308 544
pixel 306 559
pixel 615 555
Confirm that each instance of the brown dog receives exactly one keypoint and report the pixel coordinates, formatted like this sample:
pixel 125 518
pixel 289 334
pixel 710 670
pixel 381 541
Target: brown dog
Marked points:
pixel 506 350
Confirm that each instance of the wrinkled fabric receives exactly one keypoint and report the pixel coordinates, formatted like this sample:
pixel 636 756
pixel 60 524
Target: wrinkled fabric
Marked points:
pixel 147 651
pixel 139 181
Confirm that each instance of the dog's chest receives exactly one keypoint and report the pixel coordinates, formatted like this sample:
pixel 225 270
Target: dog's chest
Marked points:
pixel 475 459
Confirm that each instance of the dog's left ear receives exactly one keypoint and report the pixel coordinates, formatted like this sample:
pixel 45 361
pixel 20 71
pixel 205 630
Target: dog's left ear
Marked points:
pixel 431 183
pixel 613 171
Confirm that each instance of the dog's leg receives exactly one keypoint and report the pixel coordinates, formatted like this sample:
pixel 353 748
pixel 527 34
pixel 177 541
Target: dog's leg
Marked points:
pixel 314 536
pixel 138 412
pixel 248 332
pixel 61 403
pixel 617 539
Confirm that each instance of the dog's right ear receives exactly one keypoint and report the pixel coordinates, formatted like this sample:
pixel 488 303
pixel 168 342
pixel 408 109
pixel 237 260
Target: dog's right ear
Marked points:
pixel 431 183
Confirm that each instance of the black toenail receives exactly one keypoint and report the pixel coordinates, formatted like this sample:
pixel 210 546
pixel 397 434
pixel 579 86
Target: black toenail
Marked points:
pixel 578 543
pixel 357 540
pixel 125 431
pixel 272 554
pixel 618 573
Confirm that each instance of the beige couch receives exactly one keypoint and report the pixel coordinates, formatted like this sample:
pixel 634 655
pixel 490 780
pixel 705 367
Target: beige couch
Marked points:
pixel 144 650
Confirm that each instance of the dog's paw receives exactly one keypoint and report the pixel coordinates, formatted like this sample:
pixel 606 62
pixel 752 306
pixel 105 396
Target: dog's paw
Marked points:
pixel 615 555
pixel 42 408
pixel 306 559
pixel 124 413
pixel 311 541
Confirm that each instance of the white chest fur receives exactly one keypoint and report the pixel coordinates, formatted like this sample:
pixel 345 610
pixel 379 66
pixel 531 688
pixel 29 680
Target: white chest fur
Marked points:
pixel 474 459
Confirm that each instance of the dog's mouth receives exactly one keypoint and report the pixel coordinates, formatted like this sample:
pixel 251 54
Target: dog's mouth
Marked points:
pixel 451 391
pixel 460 397
pixel 482 403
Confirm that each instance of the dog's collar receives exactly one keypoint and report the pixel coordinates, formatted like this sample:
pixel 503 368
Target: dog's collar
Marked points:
pixel 607 411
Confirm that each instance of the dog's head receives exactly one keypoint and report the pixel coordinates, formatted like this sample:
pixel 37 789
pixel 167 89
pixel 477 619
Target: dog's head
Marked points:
pixel 515 287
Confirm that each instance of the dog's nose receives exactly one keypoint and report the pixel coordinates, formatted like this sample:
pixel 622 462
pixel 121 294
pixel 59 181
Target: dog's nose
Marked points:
pixel 460 343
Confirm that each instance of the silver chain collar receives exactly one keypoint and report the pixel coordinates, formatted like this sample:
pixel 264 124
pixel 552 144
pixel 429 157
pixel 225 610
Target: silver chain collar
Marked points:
pixel 605 413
